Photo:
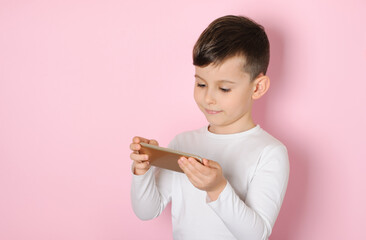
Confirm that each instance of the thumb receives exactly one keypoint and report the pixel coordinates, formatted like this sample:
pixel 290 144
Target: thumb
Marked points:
pixel 153 142
pixel 210 163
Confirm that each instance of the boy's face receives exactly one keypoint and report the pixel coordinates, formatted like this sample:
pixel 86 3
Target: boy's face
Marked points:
pixel 224 95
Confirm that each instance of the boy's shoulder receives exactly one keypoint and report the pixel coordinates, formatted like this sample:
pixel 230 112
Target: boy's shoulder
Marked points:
pixel 267 139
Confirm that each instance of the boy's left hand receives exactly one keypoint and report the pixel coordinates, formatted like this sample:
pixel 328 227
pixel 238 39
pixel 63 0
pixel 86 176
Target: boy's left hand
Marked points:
pixel 207 176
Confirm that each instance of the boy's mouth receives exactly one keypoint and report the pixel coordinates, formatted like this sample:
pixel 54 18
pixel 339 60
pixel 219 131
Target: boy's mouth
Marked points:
pixel 212 111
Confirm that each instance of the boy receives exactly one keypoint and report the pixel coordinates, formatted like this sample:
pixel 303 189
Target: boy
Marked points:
pixel 237 194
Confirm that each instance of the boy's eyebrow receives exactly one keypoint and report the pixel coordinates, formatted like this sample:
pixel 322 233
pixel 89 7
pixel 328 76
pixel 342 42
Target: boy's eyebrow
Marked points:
pixel 227 81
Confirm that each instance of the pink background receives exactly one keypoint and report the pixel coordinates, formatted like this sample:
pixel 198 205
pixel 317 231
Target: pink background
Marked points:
pixel 79 79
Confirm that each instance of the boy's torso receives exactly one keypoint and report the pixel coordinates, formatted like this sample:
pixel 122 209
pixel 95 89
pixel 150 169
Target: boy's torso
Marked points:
pixel 238 156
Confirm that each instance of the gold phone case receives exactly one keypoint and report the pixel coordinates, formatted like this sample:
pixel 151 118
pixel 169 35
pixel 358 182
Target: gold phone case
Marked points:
pixel 165 157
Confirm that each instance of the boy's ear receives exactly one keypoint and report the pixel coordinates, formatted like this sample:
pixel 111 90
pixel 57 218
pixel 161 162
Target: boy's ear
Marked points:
pixel 260 86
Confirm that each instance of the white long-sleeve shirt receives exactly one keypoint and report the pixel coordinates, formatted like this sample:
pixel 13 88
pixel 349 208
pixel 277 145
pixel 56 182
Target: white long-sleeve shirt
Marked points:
pixel 256 167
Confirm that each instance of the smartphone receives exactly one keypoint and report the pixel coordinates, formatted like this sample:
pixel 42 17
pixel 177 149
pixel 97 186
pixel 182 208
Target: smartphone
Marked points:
pixel 165 157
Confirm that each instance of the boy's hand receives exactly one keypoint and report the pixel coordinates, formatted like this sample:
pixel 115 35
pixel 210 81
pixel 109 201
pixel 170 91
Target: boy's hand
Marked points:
pixel 141 161
pixel 207 176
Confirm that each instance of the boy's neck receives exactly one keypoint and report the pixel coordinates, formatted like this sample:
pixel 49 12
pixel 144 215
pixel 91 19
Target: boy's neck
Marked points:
pixel 231 129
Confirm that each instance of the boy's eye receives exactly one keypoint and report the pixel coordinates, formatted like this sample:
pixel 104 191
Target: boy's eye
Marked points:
pixel 201 85
pixel 225 89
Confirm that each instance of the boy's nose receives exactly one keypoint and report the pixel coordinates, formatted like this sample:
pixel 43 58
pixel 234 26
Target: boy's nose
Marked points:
pixel 209 98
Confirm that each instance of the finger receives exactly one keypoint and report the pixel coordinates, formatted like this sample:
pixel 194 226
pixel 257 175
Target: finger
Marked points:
pixel 140 139
pixel 187 169
pixel 135 147
pixel 154 142
pixel 203 169
pixel 183 164
pixel 139 157
pixel 211 164
pixel 205 162
pixel 190 166
pixel 141 165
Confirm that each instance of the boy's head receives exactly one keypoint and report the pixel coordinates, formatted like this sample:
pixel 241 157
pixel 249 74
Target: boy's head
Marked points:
pixel 231 58
pixel 231 36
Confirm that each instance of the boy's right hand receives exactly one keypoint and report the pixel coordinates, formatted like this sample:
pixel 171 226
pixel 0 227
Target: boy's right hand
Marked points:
pixel 141 161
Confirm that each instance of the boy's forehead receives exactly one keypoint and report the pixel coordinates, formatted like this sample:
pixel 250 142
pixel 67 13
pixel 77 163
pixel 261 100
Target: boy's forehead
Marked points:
pixel 230 69
pixel 218 80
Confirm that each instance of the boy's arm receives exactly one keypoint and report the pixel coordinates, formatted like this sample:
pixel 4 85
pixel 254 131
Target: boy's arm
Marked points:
pixel 150 193
pixel 151 190
pixel 255 217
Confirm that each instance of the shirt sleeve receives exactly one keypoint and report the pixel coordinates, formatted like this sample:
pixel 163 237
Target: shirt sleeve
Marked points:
pixel 254 217
pixel 151 192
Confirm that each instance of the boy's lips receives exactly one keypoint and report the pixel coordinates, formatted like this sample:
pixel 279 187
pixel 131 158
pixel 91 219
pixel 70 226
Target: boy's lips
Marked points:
pixel 212 111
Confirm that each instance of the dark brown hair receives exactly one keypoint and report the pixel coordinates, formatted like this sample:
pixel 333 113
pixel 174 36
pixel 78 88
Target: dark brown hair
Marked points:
pixel 230 36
